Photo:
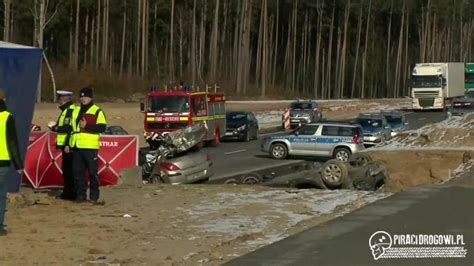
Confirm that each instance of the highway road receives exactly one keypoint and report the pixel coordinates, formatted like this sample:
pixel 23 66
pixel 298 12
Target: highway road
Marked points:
pixel 238 158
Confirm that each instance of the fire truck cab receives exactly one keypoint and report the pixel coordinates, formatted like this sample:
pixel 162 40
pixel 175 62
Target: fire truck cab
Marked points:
pixel 166 111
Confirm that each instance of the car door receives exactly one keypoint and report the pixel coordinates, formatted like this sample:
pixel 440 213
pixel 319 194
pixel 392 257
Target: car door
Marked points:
pixel 254 124
pixel 304 141
pixel 328 139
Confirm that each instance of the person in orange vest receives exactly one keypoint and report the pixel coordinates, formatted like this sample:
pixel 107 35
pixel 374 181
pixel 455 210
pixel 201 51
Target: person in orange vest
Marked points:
pixel 9 154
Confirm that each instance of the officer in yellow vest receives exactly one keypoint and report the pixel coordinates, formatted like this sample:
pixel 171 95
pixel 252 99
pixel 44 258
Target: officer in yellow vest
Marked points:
pixel 88 122
pixel 63 127
pixel 9 153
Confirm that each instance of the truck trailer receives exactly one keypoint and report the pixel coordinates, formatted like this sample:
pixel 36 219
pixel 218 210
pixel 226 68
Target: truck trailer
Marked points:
pixel 469 80
pixel 434 85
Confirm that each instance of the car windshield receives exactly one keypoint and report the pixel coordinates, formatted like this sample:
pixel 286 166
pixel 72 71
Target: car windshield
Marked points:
pixel 169 104
pixel 236 117
pixel 469 77
pixel 394 120
pixel 425 81
pixel 301 105
pixel 306 130
pixel 368 122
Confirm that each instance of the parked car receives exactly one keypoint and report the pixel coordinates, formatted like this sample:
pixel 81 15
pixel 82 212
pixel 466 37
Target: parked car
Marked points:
pixel 461 106
pixel 303 112
pixel 375 127
pixel 336 140
pixel 241 126
pixel 397 121
pixel 115 130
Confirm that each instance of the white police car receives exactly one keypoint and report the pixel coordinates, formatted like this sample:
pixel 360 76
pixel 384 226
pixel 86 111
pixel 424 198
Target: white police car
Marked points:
pixel 337 140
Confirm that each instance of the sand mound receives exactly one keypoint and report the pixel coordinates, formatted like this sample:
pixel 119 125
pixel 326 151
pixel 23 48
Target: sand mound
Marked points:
pixel 432 154
pixel 413 168
pixel 455 132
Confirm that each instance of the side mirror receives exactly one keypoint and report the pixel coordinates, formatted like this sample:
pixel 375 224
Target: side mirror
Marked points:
pixel 142 107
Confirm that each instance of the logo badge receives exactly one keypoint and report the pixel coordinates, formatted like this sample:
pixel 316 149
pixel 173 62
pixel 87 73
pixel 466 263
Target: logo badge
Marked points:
pixel 379 242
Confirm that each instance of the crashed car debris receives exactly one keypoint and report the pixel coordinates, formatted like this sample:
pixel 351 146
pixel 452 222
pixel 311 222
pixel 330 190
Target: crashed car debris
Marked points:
pixel 171 163
pixel 360 172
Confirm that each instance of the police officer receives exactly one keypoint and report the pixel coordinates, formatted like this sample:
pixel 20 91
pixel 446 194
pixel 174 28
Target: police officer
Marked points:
pixel 9 153
pixel 63 127
pixel 88 123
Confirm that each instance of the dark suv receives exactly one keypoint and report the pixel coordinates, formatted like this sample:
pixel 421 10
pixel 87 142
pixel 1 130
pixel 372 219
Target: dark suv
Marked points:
pixel 303 112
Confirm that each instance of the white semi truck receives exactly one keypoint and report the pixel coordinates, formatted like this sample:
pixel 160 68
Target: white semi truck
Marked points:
pixel 433 85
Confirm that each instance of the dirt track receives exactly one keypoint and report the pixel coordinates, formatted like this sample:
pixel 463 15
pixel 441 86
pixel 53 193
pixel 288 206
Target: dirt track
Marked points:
pixel 170 225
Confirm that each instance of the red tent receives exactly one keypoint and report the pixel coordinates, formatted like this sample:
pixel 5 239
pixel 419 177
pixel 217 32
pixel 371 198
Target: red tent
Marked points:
pixel 43 160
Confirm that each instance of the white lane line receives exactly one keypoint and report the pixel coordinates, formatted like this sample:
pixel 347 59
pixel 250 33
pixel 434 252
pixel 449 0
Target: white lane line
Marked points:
pixel 232 152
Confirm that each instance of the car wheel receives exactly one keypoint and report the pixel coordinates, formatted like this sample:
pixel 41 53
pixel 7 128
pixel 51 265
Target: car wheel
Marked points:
pixel 232 181
pixel 278 151
pixel 360 159
pixel 334 173
pixel 252 179
pixel 342 154
pixel 247 136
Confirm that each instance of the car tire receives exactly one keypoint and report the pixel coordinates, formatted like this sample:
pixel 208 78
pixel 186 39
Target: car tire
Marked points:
pixel 231 181
pixel 360 159
pixel 247 136
pixel 334 173
pixel 278 151
pixel 342 154
pixel 251 179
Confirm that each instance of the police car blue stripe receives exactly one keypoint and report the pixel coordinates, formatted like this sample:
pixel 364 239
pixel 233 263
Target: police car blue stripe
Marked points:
pixel 326 140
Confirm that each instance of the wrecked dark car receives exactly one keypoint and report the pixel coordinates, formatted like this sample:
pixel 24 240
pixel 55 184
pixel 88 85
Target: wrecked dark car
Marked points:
pixel 360 172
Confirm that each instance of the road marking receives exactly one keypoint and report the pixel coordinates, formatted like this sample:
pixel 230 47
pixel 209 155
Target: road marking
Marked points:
pixel 422 118
pixel 232 152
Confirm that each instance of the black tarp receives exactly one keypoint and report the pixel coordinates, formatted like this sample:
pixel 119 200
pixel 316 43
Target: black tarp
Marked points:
pixel 20 68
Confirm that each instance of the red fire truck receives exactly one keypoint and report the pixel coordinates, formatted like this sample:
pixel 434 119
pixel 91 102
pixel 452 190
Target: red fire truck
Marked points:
pixel 172 110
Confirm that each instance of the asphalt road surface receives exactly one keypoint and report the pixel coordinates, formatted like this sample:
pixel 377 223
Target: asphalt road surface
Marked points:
pixel 237 158
pixel 427 210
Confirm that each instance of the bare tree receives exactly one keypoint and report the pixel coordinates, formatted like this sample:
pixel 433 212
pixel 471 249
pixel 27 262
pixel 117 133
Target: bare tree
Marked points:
pixel 124 34
pixel 171 56
pixel 214 40
pixel 42 17
pixel 359 31
pixel 6 20
pixel 364 56
pixel 193 46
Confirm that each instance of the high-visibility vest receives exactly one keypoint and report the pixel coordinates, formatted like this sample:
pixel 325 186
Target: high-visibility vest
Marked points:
pixel 85 140
pixel 4 154
pixel 64 119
